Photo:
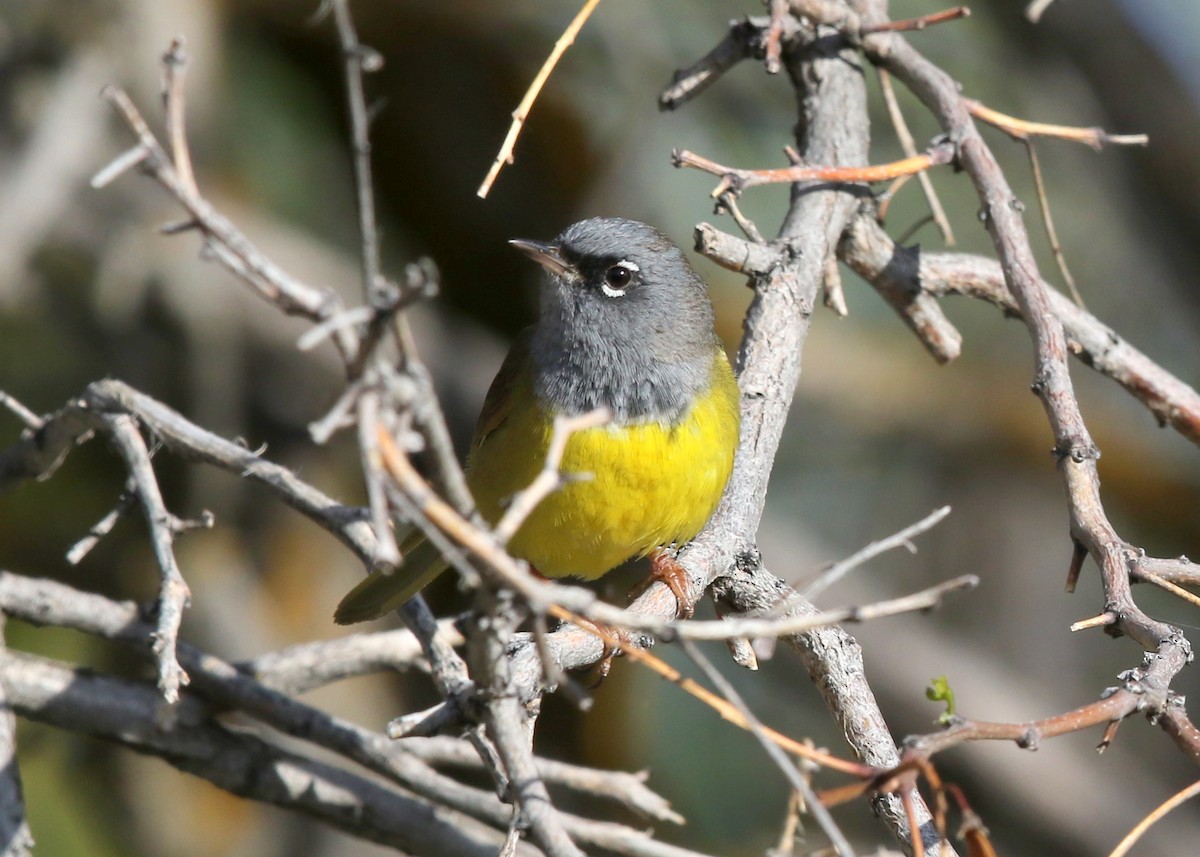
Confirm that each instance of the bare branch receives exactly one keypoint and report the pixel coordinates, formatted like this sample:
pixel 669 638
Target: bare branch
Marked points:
pixel 227 243
pixel 1175 800
pixel 174 72
pixel 736 180
pixel 747 38
pixel 173 594
pixel 909 147
pixel 357 58
pixel 797 780
pixel 838 570
pixel 31 420
pixel 127 713
pixel 505 155
pixel 45 602
pixel 16 840
pixel 1023 129
pixel 917 23
pixel 873 255
pixel 550 478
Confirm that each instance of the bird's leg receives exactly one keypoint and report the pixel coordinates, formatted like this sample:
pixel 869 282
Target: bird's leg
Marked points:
pixel 665 568
pixel 605 633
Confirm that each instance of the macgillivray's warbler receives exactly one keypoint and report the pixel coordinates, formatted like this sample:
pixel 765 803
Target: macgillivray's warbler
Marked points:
pixel 625 323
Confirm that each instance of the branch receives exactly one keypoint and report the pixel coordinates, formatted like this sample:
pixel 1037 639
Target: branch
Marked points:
pixel 44 602
pixel 735 180
pixel 307 666
pixel 505 155
pixel 1184 794
pixel 1024 130
pixel 917 24
pixel 128 713
pixel 1074 448
pixel 550 478
pixel 38 454
pixel 909 146
pixel 228 244
pixel 833 130
pixel 173 593
pixel 797 780
pixel 628 789
pixel 869 251
pixel 16 840
pixel 747 38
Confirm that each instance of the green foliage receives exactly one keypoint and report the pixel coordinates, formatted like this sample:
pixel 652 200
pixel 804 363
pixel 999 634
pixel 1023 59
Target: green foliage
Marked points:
pixel 939 690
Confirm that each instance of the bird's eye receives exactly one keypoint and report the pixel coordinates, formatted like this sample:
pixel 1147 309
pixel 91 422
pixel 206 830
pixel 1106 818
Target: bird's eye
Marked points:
pixel 618 277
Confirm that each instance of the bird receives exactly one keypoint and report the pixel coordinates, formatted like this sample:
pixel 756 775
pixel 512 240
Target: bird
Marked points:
pixel 625 323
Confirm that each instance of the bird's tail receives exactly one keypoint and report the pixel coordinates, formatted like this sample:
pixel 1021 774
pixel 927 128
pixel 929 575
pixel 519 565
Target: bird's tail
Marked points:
pixel 381 592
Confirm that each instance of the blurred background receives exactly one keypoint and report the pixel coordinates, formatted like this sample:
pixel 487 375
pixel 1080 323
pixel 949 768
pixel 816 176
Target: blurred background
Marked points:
pixel 880 435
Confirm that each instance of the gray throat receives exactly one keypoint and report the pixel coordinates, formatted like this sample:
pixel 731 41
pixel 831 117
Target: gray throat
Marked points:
pixel 579 373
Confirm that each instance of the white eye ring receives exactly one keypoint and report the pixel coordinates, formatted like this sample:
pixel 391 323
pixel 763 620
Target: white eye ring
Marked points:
pixel 611 291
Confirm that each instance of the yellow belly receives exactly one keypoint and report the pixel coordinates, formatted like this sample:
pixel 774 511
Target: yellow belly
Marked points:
pixel 651 485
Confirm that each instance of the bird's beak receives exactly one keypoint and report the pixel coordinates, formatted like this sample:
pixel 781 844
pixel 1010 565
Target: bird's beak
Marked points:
pixel 546 255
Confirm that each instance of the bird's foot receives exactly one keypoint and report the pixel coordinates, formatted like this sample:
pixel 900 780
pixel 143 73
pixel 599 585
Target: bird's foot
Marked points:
pixel 614 640
pixel 665 568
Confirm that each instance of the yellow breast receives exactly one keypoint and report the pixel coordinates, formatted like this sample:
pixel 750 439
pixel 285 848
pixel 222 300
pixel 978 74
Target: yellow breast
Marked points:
pixel 651 484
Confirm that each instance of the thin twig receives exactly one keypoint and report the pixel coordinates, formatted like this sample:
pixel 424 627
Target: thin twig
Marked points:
pixel 505 155
pixel 909 147
pixel 356 59
pixel 174 73
pixel 173 594
pixel 1175 589
pixel 903 539
pixel 31 420
pixel 104 526
pixel 381 519
pixel 550 478
pixel 1051 233
pixel 797 780
pixel 1023 129
pixel 746 38
pixel 1184 794
pixel 778 12
pixel 736 180
pixel 917 23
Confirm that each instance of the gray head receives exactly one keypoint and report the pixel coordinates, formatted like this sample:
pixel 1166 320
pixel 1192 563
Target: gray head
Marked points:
pixel 625 322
